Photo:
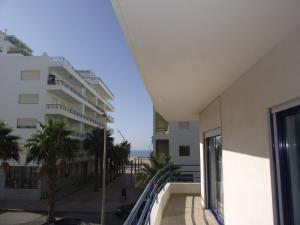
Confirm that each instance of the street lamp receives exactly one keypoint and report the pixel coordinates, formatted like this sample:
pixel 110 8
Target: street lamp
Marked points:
pixel 104 171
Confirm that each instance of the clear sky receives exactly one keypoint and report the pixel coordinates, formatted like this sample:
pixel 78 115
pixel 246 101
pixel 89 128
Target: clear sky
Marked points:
pixel 87 33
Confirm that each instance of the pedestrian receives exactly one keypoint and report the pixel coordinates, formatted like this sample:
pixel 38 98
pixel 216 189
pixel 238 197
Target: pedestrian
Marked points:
pixel 123 194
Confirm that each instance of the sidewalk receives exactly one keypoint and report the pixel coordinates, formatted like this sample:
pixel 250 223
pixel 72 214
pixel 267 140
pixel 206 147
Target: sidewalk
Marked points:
pixel 85 200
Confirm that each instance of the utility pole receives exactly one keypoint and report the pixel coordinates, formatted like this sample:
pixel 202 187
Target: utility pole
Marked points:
pixel 104 172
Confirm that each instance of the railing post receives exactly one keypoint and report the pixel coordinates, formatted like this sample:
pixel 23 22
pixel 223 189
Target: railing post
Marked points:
pixel 170 175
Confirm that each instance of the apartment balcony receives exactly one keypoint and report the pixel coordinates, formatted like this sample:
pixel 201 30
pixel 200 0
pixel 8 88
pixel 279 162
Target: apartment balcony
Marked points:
pixel 91 78
pixel 172 197
pixel 61 62
pixel 60 85
pixel 78 135
pixel 58 109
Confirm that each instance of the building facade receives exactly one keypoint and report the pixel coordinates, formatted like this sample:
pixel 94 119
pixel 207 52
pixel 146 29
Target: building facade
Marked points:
pixel 35 89
pixel 235 66
pixel 180 141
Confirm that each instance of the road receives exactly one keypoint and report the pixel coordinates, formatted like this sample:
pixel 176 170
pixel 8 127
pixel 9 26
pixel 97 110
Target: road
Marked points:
pixel 84 204
pixel 26 218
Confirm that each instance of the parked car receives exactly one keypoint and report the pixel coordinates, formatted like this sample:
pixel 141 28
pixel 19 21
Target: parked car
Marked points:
pixel 69 221
pixel 123 211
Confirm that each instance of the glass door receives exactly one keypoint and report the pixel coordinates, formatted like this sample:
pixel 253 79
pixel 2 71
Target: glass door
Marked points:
pixel 215 176
pixel 288 147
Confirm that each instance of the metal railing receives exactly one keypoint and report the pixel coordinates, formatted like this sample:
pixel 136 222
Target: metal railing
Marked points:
pixel 63 60
pixel 72 111
pixel 140 214
pixel 78 93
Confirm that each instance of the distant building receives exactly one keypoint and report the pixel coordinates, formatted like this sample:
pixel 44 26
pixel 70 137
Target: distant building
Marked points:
pixel 36 88
pixel 179 140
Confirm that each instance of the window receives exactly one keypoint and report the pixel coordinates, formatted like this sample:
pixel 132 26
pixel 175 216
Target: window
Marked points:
pixel 184 150
pixel 26 123
pixel 30 75
pixel 184 125
pixel 28 99
pixel 22 177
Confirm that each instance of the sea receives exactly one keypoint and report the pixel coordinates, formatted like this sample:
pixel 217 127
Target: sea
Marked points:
pixel 140 153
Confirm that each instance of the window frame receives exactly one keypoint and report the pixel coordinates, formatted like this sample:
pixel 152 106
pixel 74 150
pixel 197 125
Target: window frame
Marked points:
pixel 30 103
pixel 184 146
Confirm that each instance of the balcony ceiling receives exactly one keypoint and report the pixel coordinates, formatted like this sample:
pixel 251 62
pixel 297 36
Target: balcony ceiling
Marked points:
pixel 189 51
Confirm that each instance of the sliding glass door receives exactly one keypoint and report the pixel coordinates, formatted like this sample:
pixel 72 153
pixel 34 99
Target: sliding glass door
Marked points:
pixel 215 176
pixel 287 133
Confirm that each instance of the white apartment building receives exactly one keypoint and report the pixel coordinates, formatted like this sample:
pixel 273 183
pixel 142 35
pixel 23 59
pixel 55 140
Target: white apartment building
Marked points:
pixel 235 66
pixel 36 88
pixel 179 140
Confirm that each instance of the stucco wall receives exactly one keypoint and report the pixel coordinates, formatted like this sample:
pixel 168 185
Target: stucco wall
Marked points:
pixel 245 130
pixel 209 119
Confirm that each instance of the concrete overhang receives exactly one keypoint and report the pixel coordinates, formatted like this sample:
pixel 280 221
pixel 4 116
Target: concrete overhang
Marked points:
pixel 189 51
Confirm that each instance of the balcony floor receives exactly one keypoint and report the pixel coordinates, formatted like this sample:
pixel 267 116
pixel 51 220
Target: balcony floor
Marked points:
pixel 185 210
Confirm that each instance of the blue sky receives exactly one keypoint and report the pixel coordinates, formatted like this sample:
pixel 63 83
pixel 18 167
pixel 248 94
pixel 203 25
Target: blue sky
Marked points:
pixel 87 33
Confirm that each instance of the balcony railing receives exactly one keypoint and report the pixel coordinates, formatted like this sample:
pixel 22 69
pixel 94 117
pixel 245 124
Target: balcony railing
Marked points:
pixel 102 82
pixel 68 64
pixel 63 60
pixel 78 134
pixel 78 93
pixel 72 111
pixel 140 214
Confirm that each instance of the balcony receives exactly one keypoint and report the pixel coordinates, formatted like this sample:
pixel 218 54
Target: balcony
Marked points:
pixel 71 113
pixel 101 82
pixel 62 83
pixel 61 61
pixel 172 197
pixel 78 135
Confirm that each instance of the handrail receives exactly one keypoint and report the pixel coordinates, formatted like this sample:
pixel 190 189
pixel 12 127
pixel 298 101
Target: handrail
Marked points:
pixel 78 93
pixel 134 212
pixel 167 174
pixel 74 112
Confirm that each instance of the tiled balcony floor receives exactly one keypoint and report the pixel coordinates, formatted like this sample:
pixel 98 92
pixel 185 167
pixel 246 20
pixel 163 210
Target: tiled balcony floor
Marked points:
pixel 185 210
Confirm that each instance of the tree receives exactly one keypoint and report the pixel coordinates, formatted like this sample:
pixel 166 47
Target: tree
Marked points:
pixel 52 148
pixel 9 147
pixel 110 156
pixel 149 170
pixel 93 144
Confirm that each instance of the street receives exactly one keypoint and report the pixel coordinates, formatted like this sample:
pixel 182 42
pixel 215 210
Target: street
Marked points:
pixel 84 204
pixel 26 218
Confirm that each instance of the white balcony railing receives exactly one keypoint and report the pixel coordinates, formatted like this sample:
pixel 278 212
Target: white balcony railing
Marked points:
pixel 78 93
pixel 70 66
pixel 72 111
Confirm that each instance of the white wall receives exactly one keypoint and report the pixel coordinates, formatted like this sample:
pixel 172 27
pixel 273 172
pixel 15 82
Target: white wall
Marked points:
pixel 188 137
pixel 178 137
pixel 242 112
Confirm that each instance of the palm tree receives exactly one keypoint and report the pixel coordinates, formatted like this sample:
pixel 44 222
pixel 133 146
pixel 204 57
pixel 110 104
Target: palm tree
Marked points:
pixel 123 150
pixel 93 144
pixel 110 153
pixel 9 147
pixel 52 148
pixel 149 170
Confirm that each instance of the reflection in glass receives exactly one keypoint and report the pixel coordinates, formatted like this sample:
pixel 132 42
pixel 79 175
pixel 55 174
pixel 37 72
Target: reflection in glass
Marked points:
pixel 214 147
